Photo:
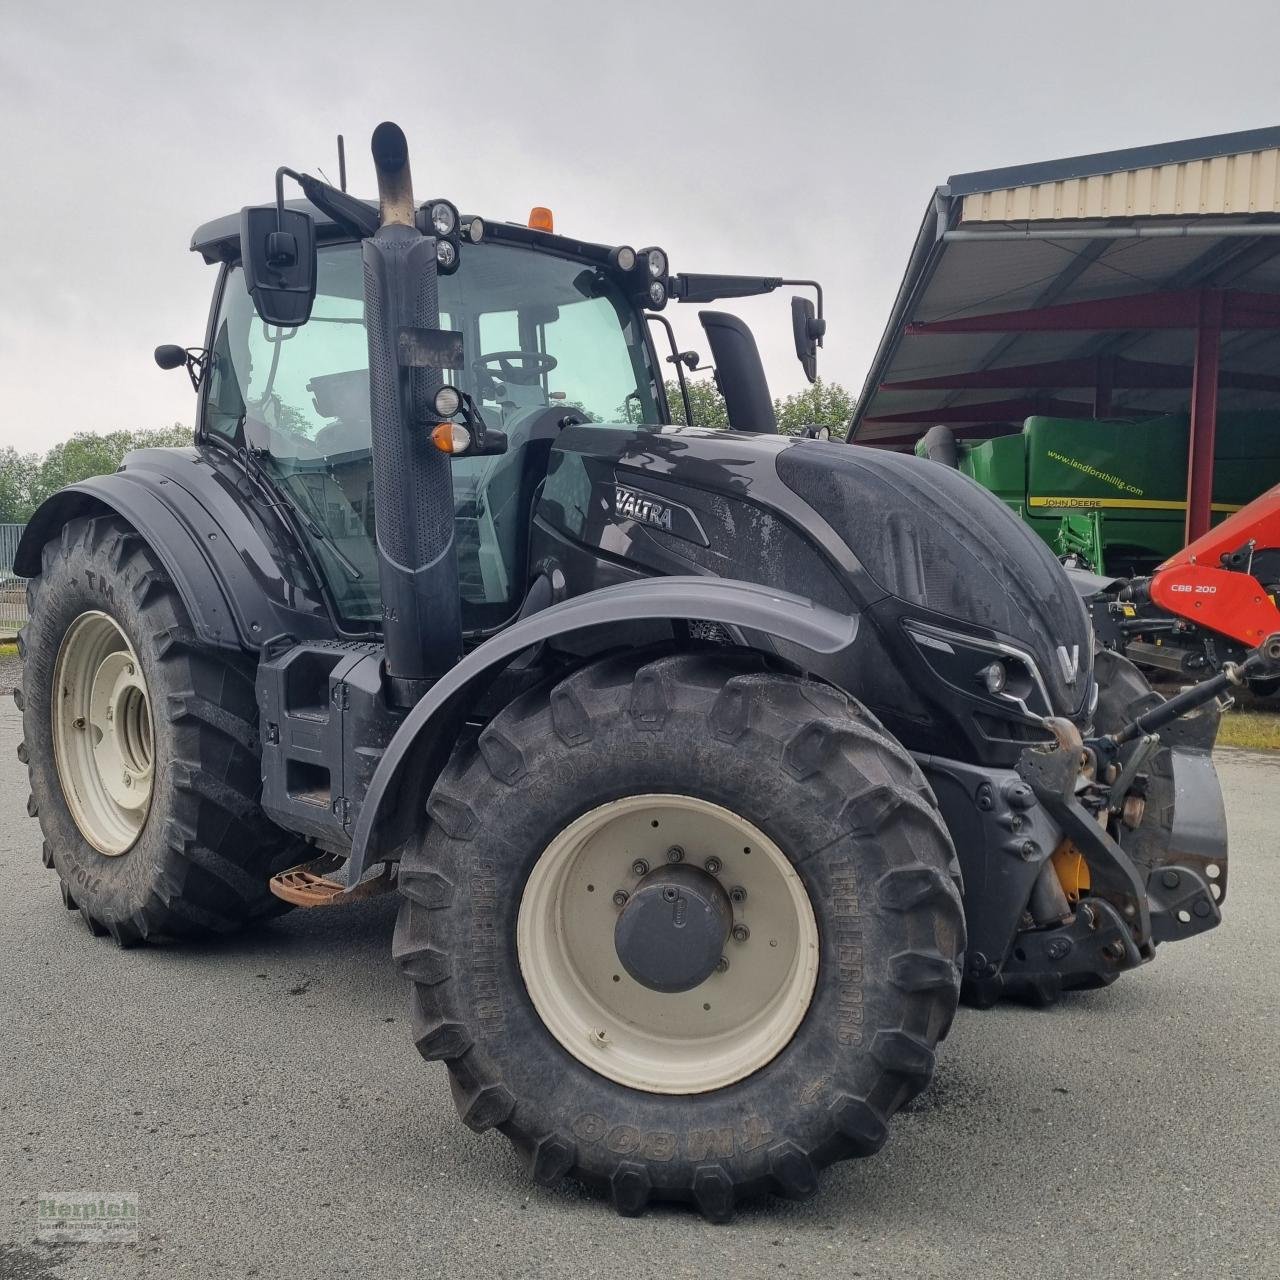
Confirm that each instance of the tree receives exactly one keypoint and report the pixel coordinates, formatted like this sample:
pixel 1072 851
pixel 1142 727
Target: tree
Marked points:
pixel 18 473
pixel 26 479
pixel 707 402
pixel 824 404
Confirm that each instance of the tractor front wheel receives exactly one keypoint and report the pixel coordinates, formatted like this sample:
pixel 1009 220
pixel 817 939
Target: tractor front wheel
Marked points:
pixel 683 927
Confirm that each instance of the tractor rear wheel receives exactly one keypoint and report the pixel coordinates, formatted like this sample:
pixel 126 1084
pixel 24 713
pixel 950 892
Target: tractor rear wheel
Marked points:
pixel 141 747
pixel 682 927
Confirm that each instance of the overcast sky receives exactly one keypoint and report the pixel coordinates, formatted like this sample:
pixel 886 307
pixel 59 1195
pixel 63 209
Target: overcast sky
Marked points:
pixel 792 138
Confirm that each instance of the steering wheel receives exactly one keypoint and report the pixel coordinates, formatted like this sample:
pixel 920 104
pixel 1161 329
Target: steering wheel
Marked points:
pixel 523 368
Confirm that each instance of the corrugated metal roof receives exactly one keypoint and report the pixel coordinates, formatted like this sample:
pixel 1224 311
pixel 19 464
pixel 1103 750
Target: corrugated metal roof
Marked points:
pixel 1179 195
pixel 1241 183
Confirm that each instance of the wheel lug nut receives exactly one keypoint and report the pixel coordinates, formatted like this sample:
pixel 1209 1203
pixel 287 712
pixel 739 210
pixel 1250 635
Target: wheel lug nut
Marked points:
pixel 620 898
pixel 741 933
pixel 639 867
pixel 675 854
pixel 712 865
pixel 737 894
pixel 722 965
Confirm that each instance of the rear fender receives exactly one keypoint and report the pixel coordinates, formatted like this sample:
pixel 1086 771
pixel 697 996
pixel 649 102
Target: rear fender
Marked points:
pixel 418 752
pixel 236 567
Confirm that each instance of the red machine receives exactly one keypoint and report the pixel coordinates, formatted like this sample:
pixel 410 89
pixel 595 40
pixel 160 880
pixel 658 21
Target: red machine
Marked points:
pixel 1209 604
pixel 1226 580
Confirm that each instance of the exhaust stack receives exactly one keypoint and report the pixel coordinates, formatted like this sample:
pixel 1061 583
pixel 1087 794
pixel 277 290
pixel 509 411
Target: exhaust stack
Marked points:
pixel 412 482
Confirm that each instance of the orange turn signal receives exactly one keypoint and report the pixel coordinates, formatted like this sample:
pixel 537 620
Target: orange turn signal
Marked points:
pixel 540 219
pixel 449 437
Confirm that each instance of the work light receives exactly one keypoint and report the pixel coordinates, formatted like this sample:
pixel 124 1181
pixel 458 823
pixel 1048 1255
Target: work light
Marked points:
pixel 623 258
pixel 444 218
pixel 447 402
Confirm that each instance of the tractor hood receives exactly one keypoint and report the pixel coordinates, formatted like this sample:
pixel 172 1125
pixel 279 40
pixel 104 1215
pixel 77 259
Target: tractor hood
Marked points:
pixel 936 541
pixel 945 579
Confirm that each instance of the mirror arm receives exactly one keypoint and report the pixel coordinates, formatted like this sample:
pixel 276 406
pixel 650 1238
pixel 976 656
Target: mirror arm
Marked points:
pixel 674 358
pixel 817 289
pixel 696 287
pixel 281 173
pixel 197 364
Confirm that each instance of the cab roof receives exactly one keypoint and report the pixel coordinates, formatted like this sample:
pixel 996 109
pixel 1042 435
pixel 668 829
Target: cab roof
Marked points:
pixel 219 240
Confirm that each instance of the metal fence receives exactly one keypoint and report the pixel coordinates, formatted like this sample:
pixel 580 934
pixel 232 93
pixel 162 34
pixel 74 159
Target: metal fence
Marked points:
pixel 13 590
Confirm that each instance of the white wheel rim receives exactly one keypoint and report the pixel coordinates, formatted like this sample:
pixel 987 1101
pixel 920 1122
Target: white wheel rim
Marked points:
pixel 728 1026
pixel 103 735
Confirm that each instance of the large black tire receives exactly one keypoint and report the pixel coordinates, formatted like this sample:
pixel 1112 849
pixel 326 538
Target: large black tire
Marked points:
pixel 205 851
pixel 813 771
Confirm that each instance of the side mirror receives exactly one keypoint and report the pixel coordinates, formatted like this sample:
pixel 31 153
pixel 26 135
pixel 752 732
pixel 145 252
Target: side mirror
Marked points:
pixel 807 330
pixel 171 356
pixel 278 252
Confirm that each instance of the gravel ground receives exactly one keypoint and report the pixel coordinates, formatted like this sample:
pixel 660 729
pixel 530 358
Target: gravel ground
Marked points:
pixel 10 668
pixel 262 1098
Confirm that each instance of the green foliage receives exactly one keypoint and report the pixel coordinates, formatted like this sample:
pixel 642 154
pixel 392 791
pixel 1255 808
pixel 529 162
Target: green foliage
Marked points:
pixel 824 404
pixel 27 479
pixel 707 403
pixel 19 473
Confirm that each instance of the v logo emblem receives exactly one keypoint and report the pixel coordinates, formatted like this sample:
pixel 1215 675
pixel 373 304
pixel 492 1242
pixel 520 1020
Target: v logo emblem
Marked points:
pixel 1069 662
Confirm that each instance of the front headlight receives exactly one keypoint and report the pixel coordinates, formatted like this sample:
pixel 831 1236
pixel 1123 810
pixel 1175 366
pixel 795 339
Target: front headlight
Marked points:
pixel 987 670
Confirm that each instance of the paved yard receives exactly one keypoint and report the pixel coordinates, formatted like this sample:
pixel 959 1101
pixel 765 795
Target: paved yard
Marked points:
pixel 262 1098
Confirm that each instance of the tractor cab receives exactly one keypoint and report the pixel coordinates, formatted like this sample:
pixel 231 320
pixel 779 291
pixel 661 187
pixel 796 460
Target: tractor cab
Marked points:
pixel 549 339
pixel 553 332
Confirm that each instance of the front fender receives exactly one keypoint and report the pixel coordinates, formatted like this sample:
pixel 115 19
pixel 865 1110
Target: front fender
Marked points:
pixel 434 722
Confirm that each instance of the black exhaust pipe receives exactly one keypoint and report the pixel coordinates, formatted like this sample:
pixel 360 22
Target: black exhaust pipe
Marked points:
pixel 412 483
pixel 739 373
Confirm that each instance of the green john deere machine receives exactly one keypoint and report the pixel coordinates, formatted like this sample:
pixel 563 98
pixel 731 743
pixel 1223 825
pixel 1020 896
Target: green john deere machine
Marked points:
pixel 1111 495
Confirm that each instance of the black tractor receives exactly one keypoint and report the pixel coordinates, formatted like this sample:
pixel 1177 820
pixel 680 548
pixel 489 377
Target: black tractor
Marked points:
pixel 711 767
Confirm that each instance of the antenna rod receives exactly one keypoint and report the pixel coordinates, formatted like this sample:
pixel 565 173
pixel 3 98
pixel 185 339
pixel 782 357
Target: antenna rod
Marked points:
pixel 342 163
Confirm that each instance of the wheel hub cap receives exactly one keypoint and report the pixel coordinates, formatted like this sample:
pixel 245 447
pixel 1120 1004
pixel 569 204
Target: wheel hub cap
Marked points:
pixel 667 943
pixel 671 934
pixel 102 733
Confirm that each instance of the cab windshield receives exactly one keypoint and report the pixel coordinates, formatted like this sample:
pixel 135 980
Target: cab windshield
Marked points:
pixel 543 335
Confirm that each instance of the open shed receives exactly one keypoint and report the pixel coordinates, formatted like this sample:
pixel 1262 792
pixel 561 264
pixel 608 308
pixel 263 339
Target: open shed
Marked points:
pixel 1119 285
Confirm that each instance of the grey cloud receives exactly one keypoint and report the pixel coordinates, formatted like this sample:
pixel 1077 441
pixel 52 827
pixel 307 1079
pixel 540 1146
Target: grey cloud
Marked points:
pixel 800 139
